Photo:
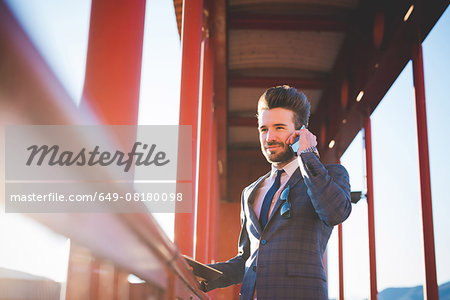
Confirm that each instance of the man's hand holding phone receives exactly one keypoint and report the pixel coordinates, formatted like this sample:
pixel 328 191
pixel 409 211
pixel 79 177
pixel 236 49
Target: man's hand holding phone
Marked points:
pixel 302 141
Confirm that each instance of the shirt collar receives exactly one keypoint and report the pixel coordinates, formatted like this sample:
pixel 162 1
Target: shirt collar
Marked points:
pixel 289 168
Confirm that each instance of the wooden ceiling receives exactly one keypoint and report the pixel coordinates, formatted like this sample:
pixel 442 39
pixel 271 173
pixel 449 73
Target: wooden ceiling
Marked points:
pixel 330 49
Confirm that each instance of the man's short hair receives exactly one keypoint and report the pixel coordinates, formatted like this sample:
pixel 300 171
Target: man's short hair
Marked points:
pixel 289 98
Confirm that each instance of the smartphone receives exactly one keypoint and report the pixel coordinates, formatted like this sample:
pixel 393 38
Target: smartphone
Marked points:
pixel 295 145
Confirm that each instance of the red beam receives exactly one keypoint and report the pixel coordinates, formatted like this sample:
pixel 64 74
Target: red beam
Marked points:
pixel 341 263
pixel 370 209
pixel 95 279
pixel 113 62
pixel 205 179
pixel 189 94
pixel 430 288
pixel 264 82
pixel 341 259
pixel 221 89
pixel 276 22
pixel 215 198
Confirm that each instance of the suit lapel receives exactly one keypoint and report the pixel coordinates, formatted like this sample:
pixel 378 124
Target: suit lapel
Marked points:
pixel 295 178
pixel 249 206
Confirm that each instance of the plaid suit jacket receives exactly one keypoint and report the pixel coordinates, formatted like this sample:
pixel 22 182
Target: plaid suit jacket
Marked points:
pixel 284 261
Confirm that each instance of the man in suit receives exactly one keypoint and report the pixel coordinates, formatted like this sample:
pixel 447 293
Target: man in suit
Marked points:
pixel 288 214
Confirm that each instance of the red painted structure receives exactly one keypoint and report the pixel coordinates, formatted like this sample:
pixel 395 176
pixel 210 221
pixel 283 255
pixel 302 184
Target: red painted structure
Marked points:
pixel 113 63
pixel 214 198
pixel 370 209
pixel 341 263
pixel 275 22
pixel 263 82
pixel 430 287
pixel 112 91
pixel 204 220
pixel 191 39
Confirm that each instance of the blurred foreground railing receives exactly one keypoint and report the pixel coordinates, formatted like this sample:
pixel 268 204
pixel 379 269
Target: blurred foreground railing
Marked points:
pixel 105 247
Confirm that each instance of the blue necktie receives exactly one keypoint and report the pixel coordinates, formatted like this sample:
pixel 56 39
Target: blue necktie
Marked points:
pixel 264 215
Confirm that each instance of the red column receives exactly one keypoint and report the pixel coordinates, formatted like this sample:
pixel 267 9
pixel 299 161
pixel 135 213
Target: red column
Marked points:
pixel 214 196
pixel 341 263
pixel 430 287
pixel 372 253
pixel 113 63
pixel 205 179
pixel 341 260
pixel 191 38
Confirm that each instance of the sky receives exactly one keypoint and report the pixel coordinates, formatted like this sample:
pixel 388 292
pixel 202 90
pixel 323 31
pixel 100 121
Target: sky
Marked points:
pixel 59 30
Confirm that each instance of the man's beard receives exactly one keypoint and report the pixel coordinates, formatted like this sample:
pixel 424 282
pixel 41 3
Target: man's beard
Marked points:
pixel 284 155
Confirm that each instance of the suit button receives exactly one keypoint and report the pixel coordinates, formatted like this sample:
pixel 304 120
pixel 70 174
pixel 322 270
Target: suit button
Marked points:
pixel 254 268
pixel 263 242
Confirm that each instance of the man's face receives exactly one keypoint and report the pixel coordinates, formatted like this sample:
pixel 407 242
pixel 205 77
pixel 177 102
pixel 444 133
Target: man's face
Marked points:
pixel 275 126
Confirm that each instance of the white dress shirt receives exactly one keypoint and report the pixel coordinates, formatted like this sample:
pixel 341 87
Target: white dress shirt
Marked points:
pixel 264 186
